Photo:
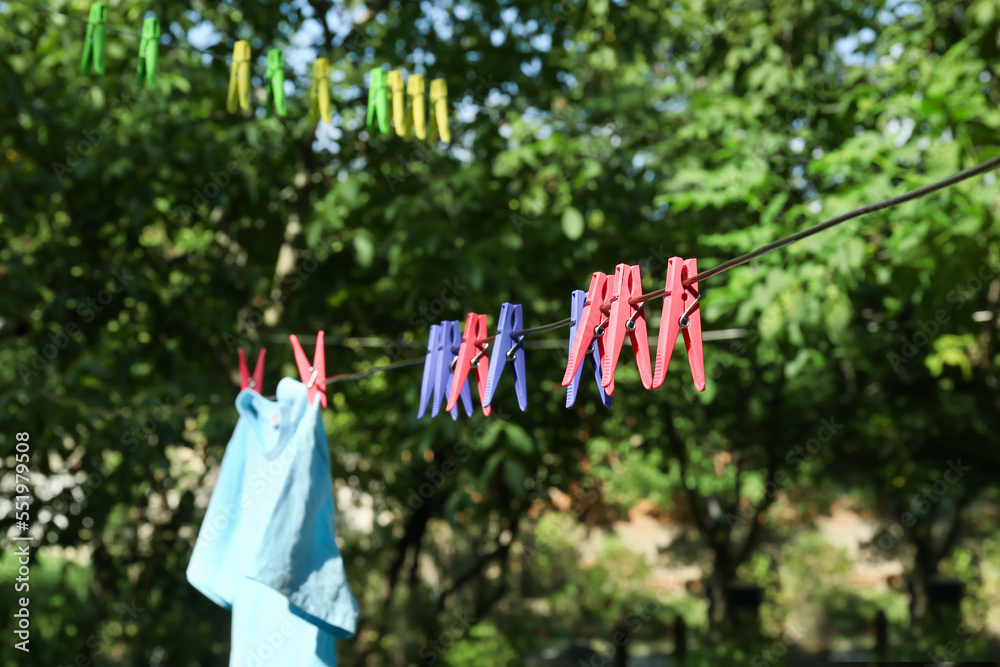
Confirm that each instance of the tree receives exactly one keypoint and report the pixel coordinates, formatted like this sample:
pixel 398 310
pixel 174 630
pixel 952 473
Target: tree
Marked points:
pixel 148 235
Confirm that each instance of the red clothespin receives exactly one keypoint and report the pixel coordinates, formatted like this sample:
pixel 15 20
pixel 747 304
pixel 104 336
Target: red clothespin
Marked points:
pixel 681 312
pixel 626 317
pixel 255 382
pixel 592 324
pixel 314 376
pixel 471 355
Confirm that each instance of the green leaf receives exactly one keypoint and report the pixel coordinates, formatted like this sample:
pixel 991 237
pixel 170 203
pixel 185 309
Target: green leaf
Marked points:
pixel 515 475
pixel 518 437
pixel 572 223
pixel 364 249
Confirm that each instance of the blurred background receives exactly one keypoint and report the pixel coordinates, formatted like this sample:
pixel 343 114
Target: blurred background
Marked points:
pixel 831 495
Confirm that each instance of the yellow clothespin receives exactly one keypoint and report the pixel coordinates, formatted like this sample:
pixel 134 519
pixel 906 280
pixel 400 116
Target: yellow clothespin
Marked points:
pixel 418 112
pixel 439 110
pixel 319 94
pixel 239 77
pixel 395 82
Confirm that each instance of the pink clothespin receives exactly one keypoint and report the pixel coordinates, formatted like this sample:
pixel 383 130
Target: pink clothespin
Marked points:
pixel 592 324
pixel 255 382
pixel 626 317
pixel 314 376
pixel 471 355
pixel 681 312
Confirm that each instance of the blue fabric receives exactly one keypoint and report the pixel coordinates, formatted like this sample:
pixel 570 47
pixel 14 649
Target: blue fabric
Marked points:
pixel 266 549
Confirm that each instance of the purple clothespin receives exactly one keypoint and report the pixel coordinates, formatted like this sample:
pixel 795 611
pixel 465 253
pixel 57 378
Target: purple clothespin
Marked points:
pixel 579 297
pixel 506 348
pixel 430 369
pixel 450 339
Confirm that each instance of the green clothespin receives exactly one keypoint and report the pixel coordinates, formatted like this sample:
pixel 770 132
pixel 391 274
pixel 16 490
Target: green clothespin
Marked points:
pixel 149 48
pixel 378 101
pixel 275 82
pixel 93 47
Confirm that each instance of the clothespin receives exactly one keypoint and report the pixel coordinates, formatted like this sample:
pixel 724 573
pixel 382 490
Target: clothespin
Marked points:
pixel 378 101
pixel 626 317
pixel 319 94
pixel 451 339
pixel 417 120
pixel 314 376
pixel 439 110
pixel 149 48
pixel 394 81
pixel 431 363
pixel 590 324
pixel 593 354
pixel 93 45
pixel 471 355
pixel 239 78
pixel 507 348
pixel 275 82
pixel 681 312
pixel 255 382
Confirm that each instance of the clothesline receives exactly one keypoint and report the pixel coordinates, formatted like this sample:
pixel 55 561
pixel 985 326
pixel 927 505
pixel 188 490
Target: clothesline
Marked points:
pixel 455 102
pixel 980 168
pixel 641 299
pixel 547 344
pixel 119 31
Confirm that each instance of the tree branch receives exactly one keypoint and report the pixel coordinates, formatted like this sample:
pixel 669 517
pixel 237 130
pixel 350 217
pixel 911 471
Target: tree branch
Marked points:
pixel 777 422
pixel 373 8
pixel 951 537
pixel 470 573
pixel 678 449
pixel 412 533
pixel 483 606
pixel 321 10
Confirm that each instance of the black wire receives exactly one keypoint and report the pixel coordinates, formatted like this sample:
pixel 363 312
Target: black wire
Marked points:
pixel 992 163
pixel 704 275
pixel 850 215
pixel 118 31
pixel 455 102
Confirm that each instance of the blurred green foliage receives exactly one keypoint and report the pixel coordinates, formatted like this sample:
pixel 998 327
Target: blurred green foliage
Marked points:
pixel 147 236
